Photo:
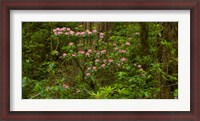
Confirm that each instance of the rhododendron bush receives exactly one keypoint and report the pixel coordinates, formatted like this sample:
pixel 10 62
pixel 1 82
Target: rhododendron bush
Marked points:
pixel 71 61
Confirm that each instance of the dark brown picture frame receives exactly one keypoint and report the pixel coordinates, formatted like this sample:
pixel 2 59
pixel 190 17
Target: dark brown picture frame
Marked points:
pixel 192 5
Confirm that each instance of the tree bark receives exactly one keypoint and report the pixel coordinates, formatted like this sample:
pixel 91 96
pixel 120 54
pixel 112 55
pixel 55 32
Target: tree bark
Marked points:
pixel 170 34
pixel 144 38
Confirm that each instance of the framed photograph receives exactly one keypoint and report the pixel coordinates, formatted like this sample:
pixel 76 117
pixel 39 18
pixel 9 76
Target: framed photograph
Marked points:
pixel 100 60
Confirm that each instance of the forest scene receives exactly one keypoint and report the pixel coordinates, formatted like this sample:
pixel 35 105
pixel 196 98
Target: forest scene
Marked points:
pixel 100 60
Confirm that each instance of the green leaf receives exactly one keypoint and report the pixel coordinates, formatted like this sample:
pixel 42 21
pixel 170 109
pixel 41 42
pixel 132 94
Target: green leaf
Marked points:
pixel 54 52
pixel 128 67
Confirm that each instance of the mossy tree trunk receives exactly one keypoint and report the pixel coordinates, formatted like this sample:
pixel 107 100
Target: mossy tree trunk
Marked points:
pixel 165 54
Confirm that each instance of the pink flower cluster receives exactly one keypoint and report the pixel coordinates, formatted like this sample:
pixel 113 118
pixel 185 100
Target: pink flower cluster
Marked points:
pixel 97 60
pixel 88 74
pixel 89 68
pixel 123 51
pixel 103 51
pixel 87 54
pixel 81 52
pixel 68 31
pixel 64 54
pixel 65 86
pixel 103 65
pixel 104 62
pixel 58 31
pixel 88 32
pixel 123 59
pixel 89 51
pixel 138 66
pixel 94 68
pixel 128 43
pixel 73 55
pixel 101 35
pixel 71 43
pixel 110 60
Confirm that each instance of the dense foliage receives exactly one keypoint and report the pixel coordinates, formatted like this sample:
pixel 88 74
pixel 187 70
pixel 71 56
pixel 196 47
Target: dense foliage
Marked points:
pixel 100 60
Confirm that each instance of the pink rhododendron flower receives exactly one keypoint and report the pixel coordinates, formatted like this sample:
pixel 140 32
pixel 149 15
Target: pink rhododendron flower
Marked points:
pixel 101 37
pixel 89 32
pixel 71 32
pixel 101 34
pixel 94 67
pixel 104 60
pixel 128 43
pixel 62 29
pixel 68 29
pixel 88 68
pixel 89 50
pixel 59 33
pixel 66 33
pixel 57 29
pixel 65 86
pixel 82 33
pixel 103 51
pixel 87 54
pixel 97 60
pixel 73 55
pixel 103 65
pixel 123 51
pixel 116 48
pixel 94 31
pixel 110 60
pixel 78 33
pixel 56 33
pixel 71 43
pixel 123 59
pixel 98 53
pixel 64 54
pixel 81 52
pixel 87 74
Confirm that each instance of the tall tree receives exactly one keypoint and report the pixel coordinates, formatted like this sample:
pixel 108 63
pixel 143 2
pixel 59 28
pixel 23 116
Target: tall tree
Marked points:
pixel 166 53
pixel 144 38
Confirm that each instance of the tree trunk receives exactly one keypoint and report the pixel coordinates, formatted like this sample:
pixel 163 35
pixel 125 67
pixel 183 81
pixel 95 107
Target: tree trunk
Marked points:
pixel 144 38
pixel 170 34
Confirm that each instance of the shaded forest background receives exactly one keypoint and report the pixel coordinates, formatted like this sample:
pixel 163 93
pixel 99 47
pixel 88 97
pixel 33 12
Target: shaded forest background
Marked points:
pixel 146 66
